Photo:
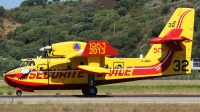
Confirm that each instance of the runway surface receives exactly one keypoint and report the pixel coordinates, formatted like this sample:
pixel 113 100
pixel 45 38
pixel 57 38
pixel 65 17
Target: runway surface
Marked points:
pixel 80 99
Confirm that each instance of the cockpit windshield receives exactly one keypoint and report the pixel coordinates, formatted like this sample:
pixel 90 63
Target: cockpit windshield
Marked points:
pixel 26 63
pixel 23 64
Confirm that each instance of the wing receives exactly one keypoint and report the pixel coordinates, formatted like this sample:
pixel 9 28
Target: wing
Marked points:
pixel 94 51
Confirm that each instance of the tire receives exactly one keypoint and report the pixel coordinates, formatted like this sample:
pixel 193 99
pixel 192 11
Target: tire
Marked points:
pixel 92 91
pixel 18 93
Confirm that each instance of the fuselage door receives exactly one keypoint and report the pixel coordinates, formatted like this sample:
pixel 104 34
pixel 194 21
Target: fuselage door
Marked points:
pixel 43 73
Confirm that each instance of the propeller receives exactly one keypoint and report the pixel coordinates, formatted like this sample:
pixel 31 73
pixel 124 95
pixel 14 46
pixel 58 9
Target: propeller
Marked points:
pixel 46 49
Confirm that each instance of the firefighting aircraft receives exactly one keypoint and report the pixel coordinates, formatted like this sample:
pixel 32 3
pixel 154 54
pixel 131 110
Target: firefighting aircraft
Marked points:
pixel 78 65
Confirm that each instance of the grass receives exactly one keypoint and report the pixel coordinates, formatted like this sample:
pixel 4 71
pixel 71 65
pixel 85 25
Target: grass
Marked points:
pixel 108 93
pixel 58 94
pixel 124 107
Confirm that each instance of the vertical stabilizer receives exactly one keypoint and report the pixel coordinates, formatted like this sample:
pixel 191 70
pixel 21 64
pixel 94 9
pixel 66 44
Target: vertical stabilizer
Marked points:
pixel 176 35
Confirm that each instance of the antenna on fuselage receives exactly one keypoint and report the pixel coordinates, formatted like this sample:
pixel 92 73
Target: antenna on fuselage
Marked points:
pixel 45 52
pixel 141 56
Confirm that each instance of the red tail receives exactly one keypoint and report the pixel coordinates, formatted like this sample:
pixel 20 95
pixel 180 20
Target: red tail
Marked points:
pixel 172 35
pixel 99 48
pixel 171 39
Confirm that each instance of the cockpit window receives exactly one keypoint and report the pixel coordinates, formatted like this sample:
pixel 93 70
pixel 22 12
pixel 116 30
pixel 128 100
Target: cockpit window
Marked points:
pixel 26 63
pixel 32 63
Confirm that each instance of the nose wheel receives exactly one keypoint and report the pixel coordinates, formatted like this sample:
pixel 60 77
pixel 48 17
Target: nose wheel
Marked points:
pixel 18 92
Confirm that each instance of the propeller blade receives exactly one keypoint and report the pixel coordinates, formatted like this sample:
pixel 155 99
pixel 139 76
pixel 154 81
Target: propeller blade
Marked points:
pixel 43 49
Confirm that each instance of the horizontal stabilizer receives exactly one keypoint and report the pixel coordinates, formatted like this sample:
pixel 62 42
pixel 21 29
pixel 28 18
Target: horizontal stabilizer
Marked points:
pixel 99 48
pixel 174 33
pixel 93 70
pixel 172 36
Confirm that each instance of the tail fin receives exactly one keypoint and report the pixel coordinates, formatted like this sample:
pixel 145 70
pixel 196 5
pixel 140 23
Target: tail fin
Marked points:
pixel 176 34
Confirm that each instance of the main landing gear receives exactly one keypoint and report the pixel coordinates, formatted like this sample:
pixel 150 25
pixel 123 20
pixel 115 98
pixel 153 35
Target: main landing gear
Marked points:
pixel 91 90
pixel 18 92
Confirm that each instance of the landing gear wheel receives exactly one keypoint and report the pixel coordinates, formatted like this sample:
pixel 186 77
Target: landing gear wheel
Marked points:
pixel 18 93
pixel 85 91
pixel 92 91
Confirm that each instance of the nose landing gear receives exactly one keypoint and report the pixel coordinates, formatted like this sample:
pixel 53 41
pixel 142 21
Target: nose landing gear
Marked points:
pixel 18 92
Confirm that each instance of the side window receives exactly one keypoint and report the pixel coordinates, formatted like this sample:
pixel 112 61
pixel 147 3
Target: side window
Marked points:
pixel 25 63
pixel 81 63
pixel 119 66
pixel 69 66
pixel 32 63
pixel 41 68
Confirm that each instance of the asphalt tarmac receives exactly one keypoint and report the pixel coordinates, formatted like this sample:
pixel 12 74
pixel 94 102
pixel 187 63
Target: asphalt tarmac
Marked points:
pixel 80 99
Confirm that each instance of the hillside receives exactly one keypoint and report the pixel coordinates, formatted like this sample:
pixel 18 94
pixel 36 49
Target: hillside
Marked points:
pixel 8 26
pixel 126 24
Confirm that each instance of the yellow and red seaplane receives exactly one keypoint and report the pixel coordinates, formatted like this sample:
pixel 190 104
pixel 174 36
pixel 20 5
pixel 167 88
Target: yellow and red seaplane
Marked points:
pixel 79 65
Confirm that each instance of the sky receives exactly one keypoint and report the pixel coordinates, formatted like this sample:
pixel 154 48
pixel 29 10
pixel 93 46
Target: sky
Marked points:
pixel 8 4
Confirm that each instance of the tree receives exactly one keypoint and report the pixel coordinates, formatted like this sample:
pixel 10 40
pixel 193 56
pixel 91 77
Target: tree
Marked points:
pixel 122 11
pixel 88 35
pixel 157 29
pixel 55 0
pixel 77 29
pixel 24 4
pixel 33 2
pixel 10 35
pixel 105 24
pixel 2 10
pixel 6 64
pixel 126 3
pixel 135 33
pixel 165 9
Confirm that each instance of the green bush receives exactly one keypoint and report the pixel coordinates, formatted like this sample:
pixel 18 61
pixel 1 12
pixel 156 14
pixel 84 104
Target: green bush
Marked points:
pixel 122 11
pixel 157 29
pixel 88 35
pixel 58 94
pixel 105 24
pixel 165 1
pixel 97 21
pixel 10 35
pixel 165 9
pixel 9 93
pixel 128 4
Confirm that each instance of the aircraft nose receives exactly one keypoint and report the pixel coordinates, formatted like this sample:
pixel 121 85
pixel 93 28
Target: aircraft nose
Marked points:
pixel 10 75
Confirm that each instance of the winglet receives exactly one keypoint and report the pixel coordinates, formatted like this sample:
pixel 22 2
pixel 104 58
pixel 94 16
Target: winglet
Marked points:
pixel 99 48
